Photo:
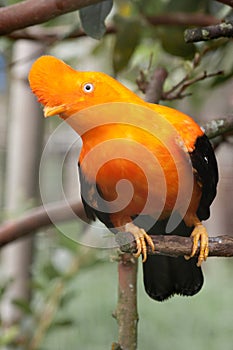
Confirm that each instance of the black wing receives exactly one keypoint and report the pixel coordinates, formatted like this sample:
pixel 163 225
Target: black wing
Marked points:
pixel 204 162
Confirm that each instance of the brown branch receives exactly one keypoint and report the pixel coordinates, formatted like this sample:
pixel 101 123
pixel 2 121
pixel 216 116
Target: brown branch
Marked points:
pixel 224 29
pixel 39 217
pixel 54 34
pixel 154 88
pixel 50 35
pixel 180 246
pixel 177 91
pixel 30 12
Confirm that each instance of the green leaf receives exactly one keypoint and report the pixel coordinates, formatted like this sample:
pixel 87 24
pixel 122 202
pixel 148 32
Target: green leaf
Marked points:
pixel 93 18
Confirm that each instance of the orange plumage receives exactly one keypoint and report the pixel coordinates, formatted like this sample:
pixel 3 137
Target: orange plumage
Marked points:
pixel 162 152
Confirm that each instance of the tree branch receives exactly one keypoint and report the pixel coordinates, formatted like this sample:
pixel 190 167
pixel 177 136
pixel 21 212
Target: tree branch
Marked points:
pixel 154 88
pixel 39 217
pixel 224 29
pixel 177 91
pixel 219 127
pixel 179 246
pixel 30 12
pixel 53 34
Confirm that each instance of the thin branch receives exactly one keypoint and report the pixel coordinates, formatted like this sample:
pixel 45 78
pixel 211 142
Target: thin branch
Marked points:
pixel 51 35
pixel 39 217
pixel 153 89
pixel 30 12
pixel 224 29
pixel 177 91
pixel 54 34
pixel 180 246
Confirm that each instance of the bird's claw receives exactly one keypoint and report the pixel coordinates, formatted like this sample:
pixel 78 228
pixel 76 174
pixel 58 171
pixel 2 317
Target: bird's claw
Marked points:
pixel 200 234
pixel 141 238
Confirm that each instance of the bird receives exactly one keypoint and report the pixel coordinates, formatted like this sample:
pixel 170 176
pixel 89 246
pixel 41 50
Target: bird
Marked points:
pixel 142 167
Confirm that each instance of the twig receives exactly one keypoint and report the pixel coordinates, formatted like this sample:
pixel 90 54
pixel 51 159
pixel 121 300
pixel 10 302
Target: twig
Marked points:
pixel 180 246
pixel 224 29
pixel 177 91
pixel 29 12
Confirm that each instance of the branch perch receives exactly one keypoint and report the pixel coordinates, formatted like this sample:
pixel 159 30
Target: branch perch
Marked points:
pixel 179 246
pixel 29 12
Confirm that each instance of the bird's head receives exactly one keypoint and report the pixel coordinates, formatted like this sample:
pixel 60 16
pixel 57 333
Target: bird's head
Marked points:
pixel 65 91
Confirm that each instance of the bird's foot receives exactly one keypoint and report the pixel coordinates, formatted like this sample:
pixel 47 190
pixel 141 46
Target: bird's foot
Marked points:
pixel 200 234
pixel 141 238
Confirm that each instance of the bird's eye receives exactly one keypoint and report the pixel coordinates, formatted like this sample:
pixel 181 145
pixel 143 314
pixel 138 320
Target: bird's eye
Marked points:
pixel 88 87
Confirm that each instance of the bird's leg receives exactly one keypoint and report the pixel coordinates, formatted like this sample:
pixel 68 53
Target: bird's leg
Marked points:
pixel 199 234
pixel 141 238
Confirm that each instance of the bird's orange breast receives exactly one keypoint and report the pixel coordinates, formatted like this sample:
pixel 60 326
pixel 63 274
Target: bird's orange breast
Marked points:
pixel 133 169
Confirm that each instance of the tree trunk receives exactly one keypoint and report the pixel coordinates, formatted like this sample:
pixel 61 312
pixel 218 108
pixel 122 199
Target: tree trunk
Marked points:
pixel 21 188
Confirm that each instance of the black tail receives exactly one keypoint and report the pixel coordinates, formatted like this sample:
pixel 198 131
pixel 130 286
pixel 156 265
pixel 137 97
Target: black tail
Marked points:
pixel 165 276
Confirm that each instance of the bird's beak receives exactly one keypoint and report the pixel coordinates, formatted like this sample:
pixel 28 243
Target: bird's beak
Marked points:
pixel 50 111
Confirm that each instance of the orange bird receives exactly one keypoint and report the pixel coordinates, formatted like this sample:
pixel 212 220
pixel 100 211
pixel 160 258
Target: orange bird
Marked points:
pixel 144 168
